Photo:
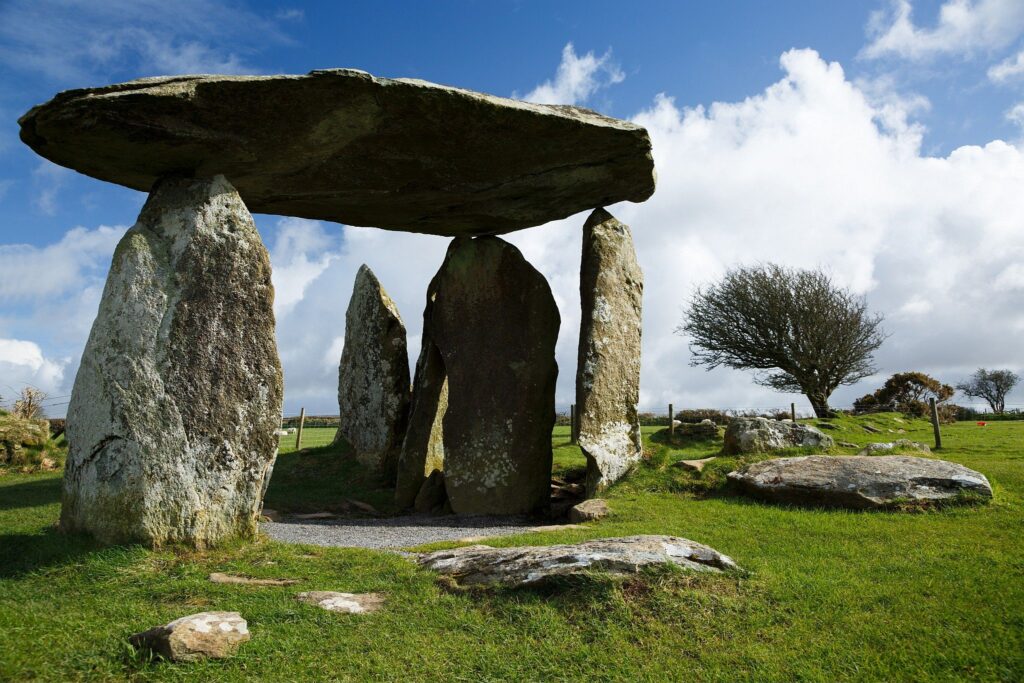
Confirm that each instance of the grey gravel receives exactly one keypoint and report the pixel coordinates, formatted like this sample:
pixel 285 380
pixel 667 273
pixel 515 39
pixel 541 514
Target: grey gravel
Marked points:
pixel 393 532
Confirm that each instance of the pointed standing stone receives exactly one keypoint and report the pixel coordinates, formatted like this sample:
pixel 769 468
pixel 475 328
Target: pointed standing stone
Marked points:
pixel 608 367
pixel 495 324
pixel 172 417
pixel 423 448
pixel 373 377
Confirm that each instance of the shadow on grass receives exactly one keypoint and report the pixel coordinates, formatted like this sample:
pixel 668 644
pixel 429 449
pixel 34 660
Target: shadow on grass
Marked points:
pixel 26 553
pixel 31 494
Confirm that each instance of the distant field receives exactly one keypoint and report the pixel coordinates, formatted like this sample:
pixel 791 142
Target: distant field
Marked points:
pixel 827 595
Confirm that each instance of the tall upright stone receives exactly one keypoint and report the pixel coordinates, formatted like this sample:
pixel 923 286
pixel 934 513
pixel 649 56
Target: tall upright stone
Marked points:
pixel 172 416
pixel 423 448
pixel 495 324
pixel 608 366
pixel 373 377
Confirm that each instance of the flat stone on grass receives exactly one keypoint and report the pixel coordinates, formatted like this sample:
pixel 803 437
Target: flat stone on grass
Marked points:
pixel 349 603
pixel 206 635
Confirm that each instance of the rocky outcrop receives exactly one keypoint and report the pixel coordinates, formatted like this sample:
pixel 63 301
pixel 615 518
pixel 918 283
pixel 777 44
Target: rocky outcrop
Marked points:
pixel 172 417
pixel 495 324
pixel 423 447
pixel 525 566
pixel 206 635
pixel 608 365
pixel 761 435
pixel 589 511
pixel 890 446
pixel 373 377
pixel 344 146
pixel 859 482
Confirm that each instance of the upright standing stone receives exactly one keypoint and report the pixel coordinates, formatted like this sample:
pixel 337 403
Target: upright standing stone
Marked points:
pixel 495 324
pixel 373 377
pixel 172 417
pixel 423 448
pixel 608 367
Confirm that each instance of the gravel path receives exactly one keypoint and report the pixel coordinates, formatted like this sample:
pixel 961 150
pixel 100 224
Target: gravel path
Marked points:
pixel 392 532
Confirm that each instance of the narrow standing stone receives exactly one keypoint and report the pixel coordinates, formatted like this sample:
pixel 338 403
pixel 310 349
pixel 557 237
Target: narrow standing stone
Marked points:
pixel 608 367
pixel 373 377
pixel 495 324
pixel 423 448
pixel 172 417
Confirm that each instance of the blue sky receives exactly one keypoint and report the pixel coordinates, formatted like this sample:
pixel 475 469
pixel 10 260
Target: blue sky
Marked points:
pixel 877 139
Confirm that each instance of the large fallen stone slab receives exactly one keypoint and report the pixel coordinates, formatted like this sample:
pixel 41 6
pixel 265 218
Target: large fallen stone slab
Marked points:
pixel 524 566
pixel 173 412
pixel 206 635
pixel 495 324
pixel 608 363
pixel 761 435
pixel 373 377
pixel 860 481
pixel 342 145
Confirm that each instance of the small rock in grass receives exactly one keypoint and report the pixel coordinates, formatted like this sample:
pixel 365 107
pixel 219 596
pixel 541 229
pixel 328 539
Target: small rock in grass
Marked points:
pixel 871 429
pixel 213 635
pixel 218 577
pixel 589 510
pixel 694 465
pixel 349 603
pixel 847 444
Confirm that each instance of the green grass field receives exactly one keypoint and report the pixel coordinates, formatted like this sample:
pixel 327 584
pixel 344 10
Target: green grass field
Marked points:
pixel 934 595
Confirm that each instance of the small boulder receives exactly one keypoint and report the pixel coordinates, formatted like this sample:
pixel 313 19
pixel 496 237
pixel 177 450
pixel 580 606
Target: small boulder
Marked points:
pixel 589 510
pixel 693 465
pixel 888 447
pixel 213 635
pixel 859 482
pixel 870 428
pixel 349 603
pixel 761 435
pixel 525 566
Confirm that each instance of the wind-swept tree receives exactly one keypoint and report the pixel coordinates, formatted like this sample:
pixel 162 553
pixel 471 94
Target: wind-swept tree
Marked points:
pixel 991 385
pixel 814 335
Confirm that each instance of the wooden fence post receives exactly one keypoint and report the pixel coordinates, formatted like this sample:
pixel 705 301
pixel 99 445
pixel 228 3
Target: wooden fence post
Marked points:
pixel 935 423
pixel 671 421
pixel 298 433
pixel 792 411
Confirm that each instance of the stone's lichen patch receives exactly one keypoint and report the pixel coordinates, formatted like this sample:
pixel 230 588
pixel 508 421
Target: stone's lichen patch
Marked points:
pixel 206 635
pixel 172 416
pixel 373 377
pixel 608 365
pixel 348 603
pixel 494 323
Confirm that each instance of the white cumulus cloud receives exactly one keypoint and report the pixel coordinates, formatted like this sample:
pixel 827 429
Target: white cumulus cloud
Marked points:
pixel 964 27
pixel 577 78
pixel 1009 69
pixel 23 363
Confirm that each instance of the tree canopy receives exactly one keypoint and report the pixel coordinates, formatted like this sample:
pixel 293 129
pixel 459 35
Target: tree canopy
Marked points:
pixel 991 385
pixel 805 334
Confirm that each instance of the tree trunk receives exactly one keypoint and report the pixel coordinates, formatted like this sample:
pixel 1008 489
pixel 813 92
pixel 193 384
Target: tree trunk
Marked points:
pixel 819 402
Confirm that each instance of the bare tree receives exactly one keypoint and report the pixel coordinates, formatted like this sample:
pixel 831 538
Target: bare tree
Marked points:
pixel 813 334
pixel 991 385
pixel 30 404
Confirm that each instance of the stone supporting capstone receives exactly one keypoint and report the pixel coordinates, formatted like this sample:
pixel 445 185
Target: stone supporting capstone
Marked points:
pixel 423 448
pixel 373 377
pixel 495 324
pixel 172 416
pixel 608 365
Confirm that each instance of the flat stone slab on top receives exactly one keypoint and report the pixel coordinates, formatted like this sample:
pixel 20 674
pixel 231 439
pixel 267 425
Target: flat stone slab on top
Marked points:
pixel 342 145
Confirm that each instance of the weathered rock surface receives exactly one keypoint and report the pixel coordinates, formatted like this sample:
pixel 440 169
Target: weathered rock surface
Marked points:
pixel 349 603
pixel 172 417
pixel 495 324
pixel 17 433
pixel 589 510
pixel 423 447
pixel 693 465
pixel 206 635
pixel 705 429
pixel 888 447
pixel 373 377
pixel 431 494
pixel 523 566
pixel 856 481
pixel 344 146
pixel 761 435
pixel 608 364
